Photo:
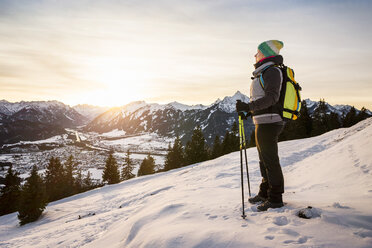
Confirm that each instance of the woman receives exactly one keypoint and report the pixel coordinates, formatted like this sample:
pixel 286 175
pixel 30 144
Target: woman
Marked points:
pixel 265 108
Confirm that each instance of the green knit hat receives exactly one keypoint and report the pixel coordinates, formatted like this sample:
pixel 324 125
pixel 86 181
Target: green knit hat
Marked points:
pixel 270 47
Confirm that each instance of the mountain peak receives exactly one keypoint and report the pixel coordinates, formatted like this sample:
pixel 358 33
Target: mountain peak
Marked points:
pixel 229 102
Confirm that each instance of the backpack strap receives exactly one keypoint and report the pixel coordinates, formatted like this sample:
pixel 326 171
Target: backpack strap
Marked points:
pixel 260 78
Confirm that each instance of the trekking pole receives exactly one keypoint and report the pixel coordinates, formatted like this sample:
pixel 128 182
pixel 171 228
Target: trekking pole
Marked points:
pixel 241 163
pixel 246 159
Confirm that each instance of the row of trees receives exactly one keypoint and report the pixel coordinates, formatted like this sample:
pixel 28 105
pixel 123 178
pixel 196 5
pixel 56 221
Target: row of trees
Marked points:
pixel 29 200
pixel 60 180
pixel 197 150
pixel 320 122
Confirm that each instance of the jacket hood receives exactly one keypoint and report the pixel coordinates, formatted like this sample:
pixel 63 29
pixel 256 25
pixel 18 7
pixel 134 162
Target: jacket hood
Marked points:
pixel 278 59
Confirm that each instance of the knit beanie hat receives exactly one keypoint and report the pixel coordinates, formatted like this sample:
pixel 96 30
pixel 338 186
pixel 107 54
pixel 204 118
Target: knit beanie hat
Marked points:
pixel 270 47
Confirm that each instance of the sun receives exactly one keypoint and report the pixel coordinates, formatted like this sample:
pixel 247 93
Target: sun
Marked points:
pixel 120 84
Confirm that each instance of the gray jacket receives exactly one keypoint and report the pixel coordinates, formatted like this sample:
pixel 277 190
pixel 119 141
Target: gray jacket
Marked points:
pixel 263 101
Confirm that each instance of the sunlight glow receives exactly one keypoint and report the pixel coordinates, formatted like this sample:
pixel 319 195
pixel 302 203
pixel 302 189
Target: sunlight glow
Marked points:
pixel 121 84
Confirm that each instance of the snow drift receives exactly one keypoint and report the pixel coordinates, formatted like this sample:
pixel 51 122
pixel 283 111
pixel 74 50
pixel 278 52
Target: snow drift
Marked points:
pixel 200 205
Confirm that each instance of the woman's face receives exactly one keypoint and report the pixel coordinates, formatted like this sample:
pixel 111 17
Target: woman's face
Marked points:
pixel 258 56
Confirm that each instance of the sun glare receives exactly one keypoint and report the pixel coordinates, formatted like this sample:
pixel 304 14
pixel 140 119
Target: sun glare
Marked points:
pixel 119 85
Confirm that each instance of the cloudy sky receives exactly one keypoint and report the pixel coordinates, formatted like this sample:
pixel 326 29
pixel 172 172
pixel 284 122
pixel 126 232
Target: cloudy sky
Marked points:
pixel 113 52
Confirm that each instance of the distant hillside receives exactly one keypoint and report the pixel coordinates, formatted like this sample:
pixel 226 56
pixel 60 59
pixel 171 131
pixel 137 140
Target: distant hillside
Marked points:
pixel 35 120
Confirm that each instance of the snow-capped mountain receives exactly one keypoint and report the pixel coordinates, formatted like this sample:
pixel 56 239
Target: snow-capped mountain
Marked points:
pixel 90 111
pixel 340 110
pixel 200 205
pixel 171 119
pixel 178 119
pixel 35 120
pixel 50 112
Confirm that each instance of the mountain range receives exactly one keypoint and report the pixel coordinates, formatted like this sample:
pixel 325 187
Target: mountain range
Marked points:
pixel 42 119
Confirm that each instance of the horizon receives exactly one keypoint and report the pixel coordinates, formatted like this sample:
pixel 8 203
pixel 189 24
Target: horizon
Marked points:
pixel 115 52
pixel 166 103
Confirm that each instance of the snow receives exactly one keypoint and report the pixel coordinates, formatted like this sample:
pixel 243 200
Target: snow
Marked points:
pixel 228 104
pixel 12 108
pixel 184 107
pixel 54 139
pixel 200 205
pixel 147 142
pixel 113 133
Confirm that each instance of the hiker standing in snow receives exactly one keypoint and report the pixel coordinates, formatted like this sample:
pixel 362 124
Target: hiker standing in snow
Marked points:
pixel 265 108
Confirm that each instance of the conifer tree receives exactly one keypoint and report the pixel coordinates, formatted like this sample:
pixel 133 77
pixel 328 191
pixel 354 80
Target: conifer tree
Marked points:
pixel 33 198
pixel 226 143
pixel 175 157
pixel 10 193
pixel 79 181
pixel 350 118
pixel 234 137
pixel 320 122
pixel 111 173
pixel 362 115
pixel 333 121
pixel 252 140
pixel 88 182
pixel 305 119
pixel 217 148
pixel 55 180
pixel 196 150
pixel 70 168
pixel 147 166
pixel 128 166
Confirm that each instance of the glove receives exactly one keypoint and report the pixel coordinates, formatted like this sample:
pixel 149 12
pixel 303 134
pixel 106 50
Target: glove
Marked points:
pixel 242 107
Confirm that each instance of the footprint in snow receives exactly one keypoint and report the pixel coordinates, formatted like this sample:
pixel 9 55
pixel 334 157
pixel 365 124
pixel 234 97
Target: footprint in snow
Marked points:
pixel 212 217
pixel 280 221
pixel 269 237
pixel 300 240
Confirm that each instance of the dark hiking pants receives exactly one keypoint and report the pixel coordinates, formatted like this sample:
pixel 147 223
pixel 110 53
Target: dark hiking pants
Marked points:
pixel 272 185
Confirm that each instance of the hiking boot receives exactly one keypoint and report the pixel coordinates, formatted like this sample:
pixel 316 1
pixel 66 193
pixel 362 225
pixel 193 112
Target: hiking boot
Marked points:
pixel 266 205
pixel 257 199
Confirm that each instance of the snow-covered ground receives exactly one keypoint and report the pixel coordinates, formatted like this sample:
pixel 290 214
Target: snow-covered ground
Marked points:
pixel 200 205
pixel 147 142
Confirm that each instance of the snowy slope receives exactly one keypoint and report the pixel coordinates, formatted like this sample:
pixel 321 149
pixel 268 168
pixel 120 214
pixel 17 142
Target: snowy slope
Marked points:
pixel 200 205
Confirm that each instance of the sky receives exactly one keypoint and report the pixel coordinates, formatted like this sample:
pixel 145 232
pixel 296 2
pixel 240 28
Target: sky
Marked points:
pixel 112 52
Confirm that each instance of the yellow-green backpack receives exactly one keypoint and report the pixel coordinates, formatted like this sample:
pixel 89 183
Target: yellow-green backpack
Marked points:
pixel 290 97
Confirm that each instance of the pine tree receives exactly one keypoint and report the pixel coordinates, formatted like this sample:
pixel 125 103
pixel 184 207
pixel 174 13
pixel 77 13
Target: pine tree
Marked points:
pixel 175 157
pixel 70 168
pixel 79 181
pixel 111 172
pixel 252 140
pixel 226 143
pixel 333 121
pixel 362 115
pixel 350 118
pixel 88 182
pixel 9 194
pixel 147 166
pixel 128 166
pixel 55 180
pixel 320 120
pixel 305 119
pixel 196 150
pixel 217 148
pixel 33 198
pixel 234 137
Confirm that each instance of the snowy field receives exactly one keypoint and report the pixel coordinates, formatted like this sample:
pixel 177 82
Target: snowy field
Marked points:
pixel 147 142
pixel 200 205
